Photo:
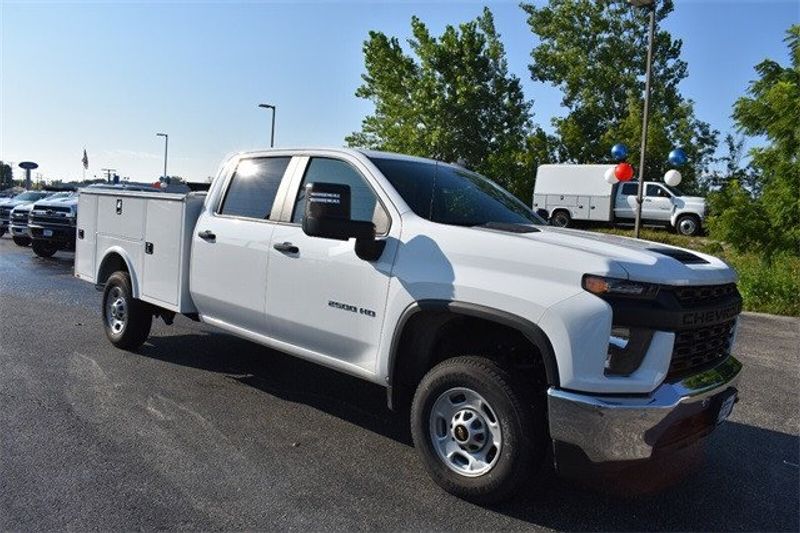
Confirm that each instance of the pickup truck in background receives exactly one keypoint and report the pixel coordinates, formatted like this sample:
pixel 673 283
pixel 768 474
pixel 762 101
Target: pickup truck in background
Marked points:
pixel 569 193
pixel 511 344
pixel 51 224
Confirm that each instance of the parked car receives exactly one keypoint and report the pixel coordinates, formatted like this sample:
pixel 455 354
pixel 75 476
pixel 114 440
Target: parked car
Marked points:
pixel 508 339
pixel 27 197
pixel 569 193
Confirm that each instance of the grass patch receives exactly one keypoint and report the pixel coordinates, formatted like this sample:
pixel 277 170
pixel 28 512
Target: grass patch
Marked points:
pixel 766 288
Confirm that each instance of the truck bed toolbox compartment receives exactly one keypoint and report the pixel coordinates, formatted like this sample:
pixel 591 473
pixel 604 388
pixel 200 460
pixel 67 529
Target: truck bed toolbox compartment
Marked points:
pixel 153 233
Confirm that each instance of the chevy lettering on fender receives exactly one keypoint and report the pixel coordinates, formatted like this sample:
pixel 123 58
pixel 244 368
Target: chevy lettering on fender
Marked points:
pixel 510 343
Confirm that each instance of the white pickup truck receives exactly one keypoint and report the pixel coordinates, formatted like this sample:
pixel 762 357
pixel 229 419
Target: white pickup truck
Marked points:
pixel 507 338
pixel 569 193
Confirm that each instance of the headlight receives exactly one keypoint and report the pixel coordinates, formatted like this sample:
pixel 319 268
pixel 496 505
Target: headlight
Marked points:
pixel 602 286
pixel 626 349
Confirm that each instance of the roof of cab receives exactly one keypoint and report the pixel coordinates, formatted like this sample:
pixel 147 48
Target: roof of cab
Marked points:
pixel 349 151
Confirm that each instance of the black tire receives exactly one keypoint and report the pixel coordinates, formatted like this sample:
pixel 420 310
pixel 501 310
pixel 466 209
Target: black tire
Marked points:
pixel 520 417
pixel 2 231
pixel 560 219
pixel 22 241
pixel 688 225
pixel 44 249
pixel 130 329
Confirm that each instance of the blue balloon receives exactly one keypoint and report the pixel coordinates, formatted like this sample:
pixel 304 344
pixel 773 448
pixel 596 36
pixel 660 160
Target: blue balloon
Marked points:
pixel 677 157
pixel 619 152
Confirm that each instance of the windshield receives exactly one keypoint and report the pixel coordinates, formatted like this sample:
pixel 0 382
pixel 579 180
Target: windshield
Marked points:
pixel 450 195
pixel 30 195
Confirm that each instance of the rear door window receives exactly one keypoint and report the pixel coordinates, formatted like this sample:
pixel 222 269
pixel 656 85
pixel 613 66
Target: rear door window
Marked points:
pixel 253 187
pixel 629 189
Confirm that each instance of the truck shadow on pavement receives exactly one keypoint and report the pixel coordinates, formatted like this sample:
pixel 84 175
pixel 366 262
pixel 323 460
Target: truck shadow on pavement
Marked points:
pixel 747 480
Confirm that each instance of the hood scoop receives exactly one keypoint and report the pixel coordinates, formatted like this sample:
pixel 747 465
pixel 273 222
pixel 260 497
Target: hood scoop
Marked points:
pixel 687 258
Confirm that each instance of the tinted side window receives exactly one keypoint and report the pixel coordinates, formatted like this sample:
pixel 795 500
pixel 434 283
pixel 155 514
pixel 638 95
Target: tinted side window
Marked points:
pixel 629 189
pixel 364 205
pixel 253 187
pixel 655 190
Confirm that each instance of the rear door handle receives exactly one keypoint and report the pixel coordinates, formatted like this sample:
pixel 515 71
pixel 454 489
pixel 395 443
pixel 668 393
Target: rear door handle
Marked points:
pixel 207 235
pixel 286 247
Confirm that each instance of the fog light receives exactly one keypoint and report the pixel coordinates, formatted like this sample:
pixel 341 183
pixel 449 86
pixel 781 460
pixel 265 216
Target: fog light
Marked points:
pixel 626 349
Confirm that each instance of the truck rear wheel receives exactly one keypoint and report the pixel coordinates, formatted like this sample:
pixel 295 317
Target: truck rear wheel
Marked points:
pixel 478 433
pixel 560 219
pixel 44 249
pixel 22 241
pixel 127 320
pixel 688 225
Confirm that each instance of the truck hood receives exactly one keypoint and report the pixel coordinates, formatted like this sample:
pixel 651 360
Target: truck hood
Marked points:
pixel 70 201
pixel 15 203
pixel 642 260
pixel 22 207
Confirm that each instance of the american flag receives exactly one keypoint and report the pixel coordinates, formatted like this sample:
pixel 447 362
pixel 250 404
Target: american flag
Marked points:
pixel 85 159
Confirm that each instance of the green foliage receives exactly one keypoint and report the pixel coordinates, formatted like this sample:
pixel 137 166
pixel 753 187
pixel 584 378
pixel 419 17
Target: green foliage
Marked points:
pixel 6 176
pixel 595 52
pixel 453 100
pixel 769 221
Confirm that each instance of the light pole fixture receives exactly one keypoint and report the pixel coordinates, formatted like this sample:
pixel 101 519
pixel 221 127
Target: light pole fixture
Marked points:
pixel 651 6
pixel 272 135
pixel 166 146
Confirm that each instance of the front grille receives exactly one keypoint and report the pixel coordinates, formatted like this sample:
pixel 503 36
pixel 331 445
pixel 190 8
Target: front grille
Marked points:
pixel 20 218
pixel 38 217
pixel 5 212
pixel 702 294
pixel 700 347
pixel 54 208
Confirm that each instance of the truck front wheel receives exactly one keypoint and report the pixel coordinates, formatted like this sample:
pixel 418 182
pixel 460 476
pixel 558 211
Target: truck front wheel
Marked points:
pixel 476 429
pixel 688 225
pixel 43 249
pixel 22 241
pixel 127 320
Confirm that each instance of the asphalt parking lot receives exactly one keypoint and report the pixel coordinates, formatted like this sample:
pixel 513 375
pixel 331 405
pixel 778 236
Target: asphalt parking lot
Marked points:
pixel 201 430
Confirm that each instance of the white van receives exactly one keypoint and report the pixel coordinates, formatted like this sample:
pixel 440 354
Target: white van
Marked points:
pixel 580 193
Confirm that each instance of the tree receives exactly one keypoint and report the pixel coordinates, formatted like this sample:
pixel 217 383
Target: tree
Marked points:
pixel 6 176
pixel 734 168
pixel 452 100
pixel 770 221
pixel 595 52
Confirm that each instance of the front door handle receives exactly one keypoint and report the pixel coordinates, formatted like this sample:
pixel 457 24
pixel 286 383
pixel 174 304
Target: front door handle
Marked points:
pixel 207 235
pixel 286 247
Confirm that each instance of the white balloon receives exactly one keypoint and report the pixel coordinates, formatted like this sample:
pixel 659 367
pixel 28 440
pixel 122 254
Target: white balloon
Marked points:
pixel 672 178
pixel 610 176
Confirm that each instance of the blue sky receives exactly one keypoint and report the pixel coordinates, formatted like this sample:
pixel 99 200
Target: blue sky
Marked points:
pixel 107 76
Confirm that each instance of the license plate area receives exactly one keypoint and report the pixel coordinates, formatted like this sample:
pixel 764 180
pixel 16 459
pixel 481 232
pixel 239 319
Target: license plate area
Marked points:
pixel 47 233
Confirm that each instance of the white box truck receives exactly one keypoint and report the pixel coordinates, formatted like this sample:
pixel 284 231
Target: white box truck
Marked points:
pixel 570 193
pixel 509 343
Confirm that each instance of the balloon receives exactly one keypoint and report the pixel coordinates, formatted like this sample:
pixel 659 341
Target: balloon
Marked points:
pixel 672 178
pixel 619 152
pixel 623 171
pixel 609 176
pixel 677 157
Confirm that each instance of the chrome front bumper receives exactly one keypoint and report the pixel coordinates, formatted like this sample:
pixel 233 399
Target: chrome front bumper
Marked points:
pixel 612 429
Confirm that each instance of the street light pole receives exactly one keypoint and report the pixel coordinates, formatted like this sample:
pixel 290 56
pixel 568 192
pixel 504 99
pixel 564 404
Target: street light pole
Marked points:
pixel 272 134
pixel 651 5
pixel 166 146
